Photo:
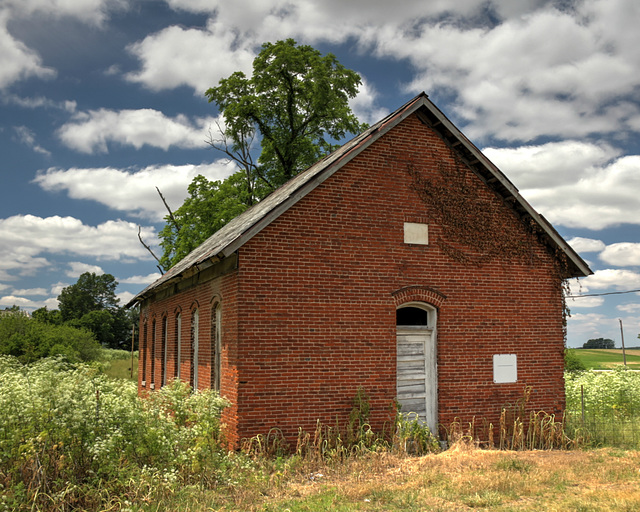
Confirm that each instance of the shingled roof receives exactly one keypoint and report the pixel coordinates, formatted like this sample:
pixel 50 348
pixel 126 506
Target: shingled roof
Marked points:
pixel 237 232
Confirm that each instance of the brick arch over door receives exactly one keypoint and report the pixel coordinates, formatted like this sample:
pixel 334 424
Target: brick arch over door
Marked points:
pixel 418 293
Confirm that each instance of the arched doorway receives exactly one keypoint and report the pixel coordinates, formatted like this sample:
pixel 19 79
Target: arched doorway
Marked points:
pixel 416 377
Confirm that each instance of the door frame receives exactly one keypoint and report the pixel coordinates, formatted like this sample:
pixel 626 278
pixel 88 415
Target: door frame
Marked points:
pixel 430 353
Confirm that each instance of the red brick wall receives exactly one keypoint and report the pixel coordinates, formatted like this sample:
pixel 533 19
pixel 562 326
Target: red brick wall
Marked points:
pixel 204 297
pixel 309 316
pixel 321 284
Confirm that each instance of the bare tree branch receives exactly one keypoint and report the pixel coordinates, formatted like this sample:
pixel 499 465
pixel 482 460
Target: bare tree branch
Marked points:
pixel 171 216
pixel 149 248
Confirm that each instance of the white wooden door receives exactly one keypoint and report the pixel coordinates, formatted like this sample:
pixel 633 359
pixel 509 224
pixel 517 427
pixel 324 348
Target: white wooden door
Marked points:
pixel 416 374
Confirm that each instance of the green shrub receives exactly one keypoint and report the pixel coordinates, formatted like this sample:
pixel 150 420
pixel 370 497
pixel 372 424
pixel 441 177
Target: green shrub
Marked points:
pixel 29 340
pixel 572 362
pixel 68 434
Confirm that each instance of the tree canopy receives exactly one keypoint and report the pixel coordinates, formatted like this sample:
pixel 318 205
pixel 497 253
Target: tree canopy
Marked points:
pixel 296 106
pixel 91 304
pixel 599 343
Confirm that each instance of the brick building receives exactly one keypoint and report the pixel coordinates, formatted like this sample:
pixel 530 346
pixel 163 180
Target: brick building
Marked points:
pixel 405 262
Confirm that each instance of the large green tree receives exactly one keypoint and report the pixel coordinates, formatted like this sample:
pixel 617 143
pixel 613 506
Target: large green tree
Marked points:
pixel 91 304
pixel 295 106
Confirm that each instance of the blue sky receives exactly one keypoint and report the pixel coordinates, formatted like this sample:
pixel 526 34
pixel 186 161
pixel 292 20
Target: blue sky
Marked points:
pixel 102 100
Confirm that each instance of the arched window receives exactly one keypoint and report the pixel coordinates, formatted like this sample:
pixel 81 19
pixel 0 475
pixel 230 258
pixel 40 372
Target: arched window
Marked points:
pixel 143 353
pixel 153 353
pixel 163 374
pixel 178 347
pixel 195 338
pixel 216 345
pixel 414 315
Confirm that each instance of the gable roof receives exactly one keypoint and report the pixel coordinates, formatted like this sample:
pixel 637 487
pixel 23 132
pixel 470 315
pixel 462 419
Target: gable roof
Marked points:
pixel 237 232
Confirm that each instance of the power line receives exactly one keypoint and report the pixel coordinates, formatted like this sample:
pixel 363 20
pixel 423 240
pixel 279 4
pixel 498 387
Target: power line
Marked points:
pixel 601 294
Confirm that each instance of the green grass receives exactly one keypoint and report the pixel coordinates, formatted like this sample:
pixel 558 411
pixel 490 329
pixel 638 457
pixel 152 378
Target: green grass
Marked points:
pixel 604 359
pixel 118 364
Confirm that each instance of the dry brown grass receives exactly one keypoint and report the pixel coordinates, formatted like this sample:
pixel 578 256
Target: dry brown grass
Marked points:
pixel 462 478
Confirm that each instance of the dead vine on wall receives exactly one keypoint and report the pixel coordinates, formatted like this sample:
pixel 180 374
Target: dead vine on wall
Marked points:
pixel 476 224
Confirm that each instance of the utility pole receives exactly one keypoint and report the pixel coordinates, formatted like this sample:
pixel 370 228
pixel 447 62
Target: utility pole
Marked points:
pixel 624 354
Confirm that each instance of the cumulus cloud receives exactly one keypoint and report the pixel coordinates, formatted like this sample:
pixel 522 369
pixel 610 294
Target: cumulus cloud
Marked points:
pixel 17 61
pixel 609 279
pixel 132 191
pixel 148 279
pixel 584 302
pixel 629 308
pixel 26 239
pixel 623 254
pixel 77 268
pixel 552 164
pixel 551 72
pixel 581 244
pixel 91 132
pixel 195 57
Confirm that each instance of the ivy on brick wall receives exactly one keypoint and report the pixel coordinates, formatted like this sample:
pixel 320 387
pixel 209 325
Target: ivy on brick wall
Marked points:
pixel 477 223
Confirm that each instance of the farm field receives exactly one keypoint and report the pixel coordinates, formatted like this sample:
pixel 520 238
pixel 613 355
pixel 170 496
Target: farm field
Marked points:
pixel 607 359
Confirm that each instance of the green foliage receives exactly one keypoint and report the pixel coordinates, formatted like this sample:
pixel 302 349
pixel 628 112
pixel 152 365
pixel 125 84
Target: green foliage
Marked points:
pixel 617 391
pixel 604 407
pixel 296 104
pixel 28 340
pixel 47 316
pixel 91 304
pixel 91 292
pixel 600 343
pixel 70 437
pixel 209 206
pixel 572 363
pixel 296 99
pixel 413 436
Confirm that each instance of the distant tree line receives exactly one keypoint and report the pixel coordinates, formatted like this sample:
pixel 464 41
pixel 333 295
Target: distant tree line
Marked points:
pixel 89 317
pixel 599 343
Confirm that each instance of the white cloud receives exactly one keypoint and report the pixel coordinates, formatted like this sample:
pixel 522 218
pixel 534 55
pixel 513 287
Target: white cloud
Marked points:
pixel 88 11
pixel 609 279
pixel 22 302
pixel 24 239
pixel 584 302
pixel 629 308
pixel 38 102
pixel 194 57
pixel 622 254
pixel 132 191
pixel 31 291
pixel 125 297
pixel 78 268
pixel 17 61
pixel 148 279
pixel 551 72
pixel 552 164
pixel 90 132
pixel 364 104
pixel 581 244
pixel 27 137
pixel 575 184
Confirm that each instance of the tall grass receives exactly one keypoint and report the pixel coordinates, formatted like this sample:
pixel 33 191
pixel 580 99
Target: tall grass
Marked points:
pixel 604 407
pixel 72 438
